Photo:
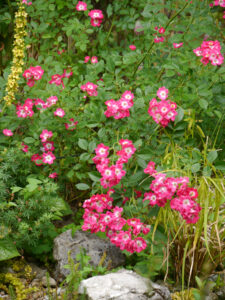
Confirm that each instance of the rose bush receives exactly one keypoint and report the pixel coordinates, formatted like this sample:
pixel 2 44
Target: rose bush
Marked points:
pixel 65 110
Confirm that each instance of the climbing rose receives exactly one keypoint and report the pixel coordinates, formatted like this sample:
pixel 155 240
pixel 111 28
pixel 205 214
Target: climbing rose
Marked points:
pixel 162 93
pixel 48 157
pixel 210 52
pixel 45 135
pixel 132 47
pixel 7 132
pixel 53 175
pixel 219 3
pixel 96 17
pixel 24 147
pixel 94 60
pixel 86 59
pixel 71 126
pixel 81 6
pixel 59 112
pixel 177 45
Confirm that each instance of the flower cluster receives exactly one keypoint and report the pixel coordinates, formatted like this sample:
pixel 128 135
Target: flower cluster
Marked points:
pixel 164 111
pixel 26 110
pixel 90 88
pixel 174 189
pixel 96 17
pixel 18 54
pixel 160 30
pixel 33 74
pixel 219 3
pixel 57 78
pixel 111 175
pixel 26 2
pixel 210 52
pixel 47 157
pixel 120 109
pixel 101 215
pixel 94 59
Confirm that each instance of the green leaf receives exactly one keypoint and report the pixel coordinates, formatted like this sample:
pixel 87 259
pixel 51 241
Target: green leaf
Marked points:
pixel 34 181
pixel 82 186
pixel 195 168
pixel 94 177
pixel 212 156
pixel 16 189
pixel 203 104
pixel 7 250
pixel 84 156
pixel 220 165
pixel 83 144
pixel 109 10
pixel 91 146
pixel 29 140
pixel 179 116
pixel 61 205
pixel 51 7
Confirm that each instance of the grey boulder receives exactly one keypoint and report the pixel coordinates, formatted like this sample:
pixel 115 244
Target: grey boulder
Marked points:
pixel 95 248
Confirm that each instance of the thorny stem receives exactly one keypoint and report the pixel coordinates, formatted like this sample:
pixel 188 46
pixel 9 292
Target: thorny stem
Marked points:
pixel 152 43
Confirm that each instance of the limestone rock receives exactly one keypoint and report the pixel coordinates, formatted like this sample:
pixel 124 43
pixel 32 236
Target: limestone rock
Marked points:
pixel 95 248
pixel 122 285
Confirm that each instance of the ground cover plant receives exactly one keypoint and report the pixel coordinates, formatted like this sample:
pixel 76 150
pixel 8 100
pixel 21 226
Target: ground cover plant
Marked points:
pixel 115 110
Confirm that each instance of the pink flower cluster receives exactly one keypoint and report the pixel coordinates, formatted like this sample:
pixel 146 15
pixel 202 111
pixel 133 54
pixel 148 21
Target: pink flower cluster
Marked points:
pixel 96 17
pixel 174 189
pixel 26 110
pixel 57 78
pixel 27 3
pixel 47 157
pixel 164 111
pixel 94 59
pixel 111 175
pixel 219 3
pixel 210 52
pixel 160 30
pixel 101 215
pixel 90 88
pixel 32 74
pixel 120 109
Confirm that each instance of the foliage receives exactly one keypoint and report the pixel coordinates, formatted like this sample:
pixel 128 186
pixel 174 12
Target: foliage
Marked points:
pixel 80 271
pixel 27 210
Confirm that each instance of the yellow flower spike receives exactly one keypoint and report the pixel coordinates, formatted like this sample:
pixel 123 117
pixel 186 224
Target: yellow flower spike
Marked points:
pixel 18 54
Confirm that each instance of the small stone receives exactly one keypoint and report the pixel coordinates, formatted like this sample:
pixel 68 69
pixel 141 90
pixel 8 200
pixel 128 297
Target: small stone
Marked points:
pixel 35 282
pixel 37 272
pixel 51 281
